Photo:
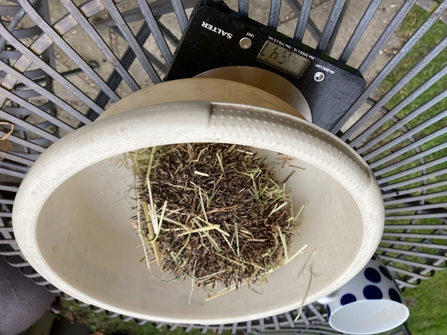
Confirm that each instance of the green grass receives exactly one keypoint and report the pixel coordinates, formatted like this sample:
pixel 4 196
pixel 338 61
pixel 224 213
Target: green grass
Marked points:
pixel 439 30
pixel 101 324
pixel 427 302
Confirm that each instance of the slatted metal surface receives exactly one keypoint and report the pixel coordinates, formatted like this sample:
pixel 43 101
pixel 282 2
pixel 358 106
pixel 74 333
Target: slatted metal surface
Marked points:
pixel 313 317
pixel 43 103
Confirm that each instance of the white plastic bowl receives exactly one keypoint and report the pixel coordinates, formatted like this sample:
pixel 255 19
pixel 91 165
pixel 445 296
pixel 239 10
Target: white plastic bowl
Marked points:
pixel 71 214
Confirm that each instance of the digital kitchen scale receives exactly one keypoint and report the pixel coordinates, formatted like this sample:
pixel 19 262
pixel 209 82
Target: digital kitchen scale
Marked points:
pixel 218 37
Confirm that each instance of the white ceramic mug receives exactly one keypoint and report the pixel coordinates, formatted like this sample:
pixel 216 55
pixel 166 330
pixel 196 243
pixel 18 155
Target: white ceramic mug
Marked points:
pixel 370 303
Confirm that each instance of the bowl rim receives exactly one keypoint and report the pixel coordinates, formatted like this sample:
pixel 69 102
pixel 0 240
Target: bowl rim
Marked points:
pixel 195 121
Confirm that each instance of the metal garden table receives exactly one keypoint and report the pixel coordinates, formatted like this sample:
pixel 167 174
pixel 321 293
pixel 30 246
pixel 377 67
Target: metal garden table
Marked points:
pixel 50 88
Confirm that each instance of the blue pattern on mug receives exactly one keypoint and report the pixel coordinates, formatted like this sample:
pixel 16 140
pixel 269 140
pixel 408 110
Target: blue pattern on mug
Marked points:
pixel 394 295
pixel 372 275
pixel 385 272
pixel 347 299
pixel 372 292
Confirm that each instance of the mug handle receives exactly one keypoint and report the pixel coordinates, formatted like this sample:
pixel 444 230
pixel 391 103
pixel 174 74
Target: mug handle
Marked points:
pixel 328 299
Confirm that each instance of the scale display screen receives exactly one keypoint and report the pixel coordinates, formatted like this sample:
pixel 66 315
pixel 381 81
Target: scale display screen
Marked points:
pixel 283 59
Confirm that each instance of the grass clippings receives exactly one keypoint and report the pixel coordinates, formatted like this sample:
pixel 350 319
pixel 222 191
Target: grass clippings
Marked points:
pixel 213 213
